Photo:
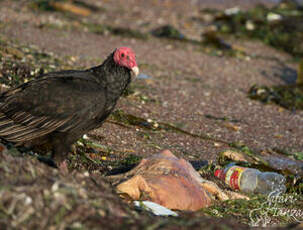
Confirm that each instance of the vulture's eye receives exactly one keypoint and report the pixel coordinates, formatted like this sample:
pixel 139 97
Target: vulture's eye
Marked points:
pixel 122 55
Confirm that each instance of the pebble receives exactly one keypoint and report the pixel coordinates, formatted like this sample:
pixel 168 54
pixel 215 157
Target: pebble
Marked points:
pixel 155 208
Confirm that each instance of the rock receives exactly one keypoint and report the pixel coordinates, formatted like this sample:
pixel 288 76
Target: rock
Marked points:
pixel 232 11
pixel 273 17
pixel 156 209
pixel 283 163
pixel 143 76
pixel 168 181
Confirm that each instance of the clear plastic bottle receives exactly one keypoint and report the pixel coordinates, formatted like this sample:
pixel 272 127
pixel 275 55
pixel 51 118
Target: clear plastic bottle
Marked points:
pixel 251 180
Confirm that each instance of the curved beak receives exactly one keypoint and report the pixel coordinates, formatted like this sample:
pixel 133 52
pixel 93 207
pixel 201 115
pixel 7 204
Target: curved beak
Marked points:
pixel 135 70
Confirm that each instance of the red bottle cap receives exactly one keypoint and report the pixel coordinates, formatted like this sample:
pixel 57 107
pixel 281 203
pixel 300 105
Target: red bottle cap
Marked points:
pixel 218 173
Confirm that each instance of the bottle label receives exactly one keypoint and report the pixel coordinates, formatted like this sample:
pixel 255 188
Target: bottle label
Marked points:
pixel 233 177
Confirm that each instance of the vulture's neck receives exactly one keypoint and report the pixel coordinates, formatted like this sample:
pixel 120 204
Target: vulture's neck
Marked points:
pixel 113 77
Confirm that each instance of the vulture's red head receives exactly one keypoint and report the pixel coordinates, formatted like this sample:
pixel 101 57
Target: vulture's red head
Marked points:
pixel 126 57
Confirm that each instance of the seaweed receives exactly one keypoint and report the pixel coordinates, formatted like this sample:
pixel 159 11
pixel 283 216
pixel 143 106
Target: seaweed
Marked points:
pixel 280 26
pixel 119 117
pixel 169 32
pixel 287 96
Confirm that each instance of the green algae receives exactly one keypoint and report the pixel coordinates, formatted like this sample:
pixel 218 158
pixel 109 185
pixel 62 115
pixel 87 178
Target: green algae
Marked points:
pixel 280 26
pixel 300 73
pixel 287 96
pixel 120 117
pixel 168 32
pixel 251 211
pixel 19 63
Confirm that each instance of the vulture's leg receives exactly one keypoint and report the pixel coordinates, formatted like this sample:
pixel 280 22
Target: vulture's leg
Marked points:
pixel 61 143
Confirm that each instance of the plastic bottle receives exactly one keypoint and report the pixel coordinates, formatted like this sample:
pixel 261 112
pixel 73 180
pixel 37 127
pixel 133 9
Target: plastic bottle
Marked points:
pixel 251 180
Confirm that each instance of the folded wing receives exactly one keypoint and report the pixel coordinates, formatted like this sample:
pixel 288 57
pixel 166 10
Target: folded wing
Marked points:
pixel 56 102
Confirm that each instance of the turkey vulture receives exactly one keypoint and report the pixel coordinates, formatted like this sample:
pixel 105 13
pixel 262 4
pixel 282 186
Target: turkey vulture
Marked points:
pixel 59 107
